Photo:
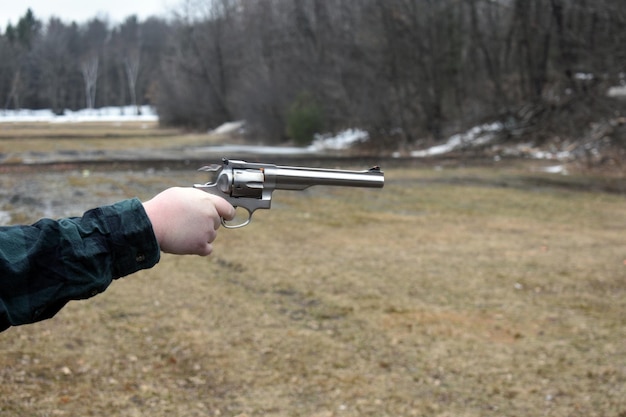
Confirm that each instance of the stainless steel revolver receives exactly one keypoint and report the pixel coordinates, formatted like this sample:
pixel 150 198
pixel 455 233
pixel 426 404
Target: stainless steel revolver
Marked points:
pixel 250 185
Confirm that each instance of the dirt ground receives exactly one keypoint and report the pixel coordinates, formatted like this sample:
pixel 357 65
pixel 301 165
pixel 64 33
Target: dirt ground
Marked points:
pixel 453 291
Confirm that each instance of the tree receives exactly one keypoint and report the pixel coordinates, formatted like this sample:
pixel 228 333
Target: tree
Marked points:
pixel 23 80
pixel 198 72
pixel 130 49
pixel 89 70
pixel 54 59
pixel 94 37
pixel 27 29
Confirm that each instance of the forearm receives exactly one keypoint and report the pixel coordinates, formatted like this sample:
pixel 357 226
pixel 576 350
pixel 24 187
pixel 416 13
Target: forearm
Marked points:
pixel 45 265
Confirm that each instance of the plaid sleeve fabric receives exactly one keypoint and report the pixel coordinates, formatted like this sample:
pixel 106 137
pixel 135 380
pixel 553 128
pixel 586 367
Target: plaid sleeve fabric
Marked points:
pixel 47 264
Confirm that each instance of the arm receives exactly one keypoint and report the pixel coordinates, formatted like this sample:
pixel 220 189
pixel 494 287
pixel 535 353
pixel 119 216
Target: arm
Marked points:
pixel 44 265
pixel 47 264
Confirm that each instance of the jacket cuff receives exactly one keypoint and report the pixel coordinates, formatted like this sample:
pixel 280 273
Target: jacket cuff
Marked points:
pixel 133 244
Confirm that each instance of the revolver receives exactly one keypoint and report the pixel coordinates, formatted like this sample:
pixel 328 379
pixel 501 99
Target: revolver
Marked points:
pixel 250 185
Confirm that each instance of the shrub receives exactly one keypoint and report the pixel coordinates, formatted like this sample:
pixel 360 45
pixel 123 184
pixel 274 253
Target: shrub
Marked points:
pixel 304 119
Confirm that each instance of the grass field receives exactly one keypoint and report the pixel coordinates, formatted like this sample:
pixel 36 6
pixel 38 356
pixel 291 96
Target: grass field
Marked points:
pixel 457 291
pixel 16 138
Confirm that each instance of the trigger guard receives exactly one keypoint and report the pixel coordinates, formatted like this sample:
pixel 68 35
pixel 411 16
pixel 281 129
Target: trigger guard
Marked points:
pixel 238 225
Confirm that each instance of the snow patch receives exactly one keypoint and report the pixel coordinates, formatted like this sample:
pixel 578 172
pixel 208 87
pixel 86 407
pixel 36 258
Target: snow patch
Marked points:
pixel 343 140
pixel 104 114
pixel 584 76
pixel 555 169
pixel 228 127
pixel 618 91
pixel 527 150
pixel 476 136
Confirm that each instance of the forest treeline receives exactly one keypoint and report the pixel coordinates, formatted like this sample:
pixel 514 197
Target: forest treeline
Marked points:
pixel 406 71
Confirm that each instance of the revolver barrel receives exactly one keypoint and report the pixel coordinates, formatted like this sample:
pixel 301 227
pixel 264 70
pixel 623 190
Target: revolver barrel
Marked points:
pixel 297 178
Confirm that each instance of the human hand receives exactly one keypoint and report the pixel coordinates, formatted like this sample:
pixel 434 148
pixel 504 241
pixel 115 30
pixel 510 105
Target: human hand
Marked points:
pixel 185 220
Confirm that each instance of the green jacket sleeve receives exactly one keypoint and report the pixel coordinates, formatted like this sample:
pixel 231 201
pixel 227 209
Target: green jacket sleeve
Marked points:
pixel 47 264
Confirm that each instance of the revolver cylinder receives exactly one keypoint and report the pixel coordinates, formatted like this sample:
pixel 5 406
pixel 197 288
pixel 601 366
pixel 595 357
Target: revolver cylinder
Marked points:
pixel 247 183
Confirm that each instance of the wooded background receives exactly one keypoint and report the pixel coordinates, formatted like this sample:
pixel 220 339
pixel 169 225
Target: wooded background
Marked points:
pixel 407 71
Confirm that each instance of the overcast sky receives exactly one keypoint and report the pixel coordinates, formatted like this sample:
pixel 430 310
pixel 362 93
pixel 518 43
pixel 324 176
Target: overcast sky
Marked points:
pixel 83 10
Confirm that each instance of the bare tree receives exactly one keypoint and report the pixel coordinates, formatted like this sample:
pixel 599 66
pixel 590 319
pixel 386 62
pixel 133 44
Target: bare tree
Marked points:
pixel 131 65
pixel 14 92
pixel 128 50
pixel 530 37
pixel 199 72
pixel 89 70
pixel 486 52
pixel 94 37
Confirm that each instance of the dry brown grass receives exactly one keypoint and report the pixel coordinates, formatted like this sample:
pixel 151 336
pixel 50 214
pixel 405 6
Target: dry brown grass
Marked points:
pixel 436 296
pixel 51 137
